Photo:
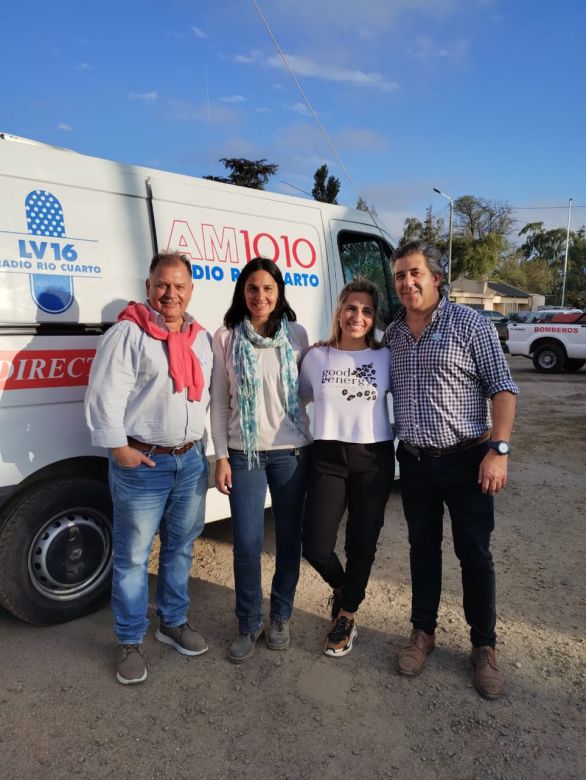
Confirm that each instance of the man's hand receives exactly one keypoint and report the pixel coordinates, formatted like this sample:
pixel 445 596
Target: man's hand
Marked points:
pixel 492 474
pixel 129 458
pixel 223 476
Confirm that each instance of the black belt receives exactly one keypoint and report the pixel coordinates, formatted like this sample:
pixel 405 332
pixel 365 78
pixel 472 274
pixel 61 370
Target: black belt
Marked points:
pixel 437 452
pixel 154 449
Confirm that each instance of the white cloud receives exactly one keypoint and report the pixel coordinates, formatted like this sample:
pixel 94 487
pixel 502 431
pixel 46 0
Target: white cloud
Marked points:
pixel 298 108
pixel 145 97
pixel 426 49
pixel 84 66
pixel 233 99
pixel 248 59
pixel 64 126
pixel 198 33
pixel 370 18
pixel 304 66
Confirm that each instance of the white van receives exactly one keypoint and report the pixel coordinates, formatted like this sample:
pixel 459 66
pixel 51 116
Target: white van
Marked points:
pixel 76 237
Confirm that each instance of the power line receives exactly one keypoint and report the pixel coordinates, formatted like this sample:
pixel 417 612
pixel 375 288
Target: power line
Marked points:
pixel 542 208
pixel 440 212
pixel 313 113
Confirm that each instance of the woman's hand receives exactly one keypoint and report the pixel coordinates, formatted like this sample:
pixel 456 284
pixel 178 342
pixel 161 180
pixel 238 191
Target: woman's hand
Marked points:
pixel 223 476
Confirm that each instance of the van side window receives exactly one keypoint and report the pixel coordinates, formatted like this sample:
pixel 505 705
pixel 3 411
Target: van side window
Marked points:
pixel 366 255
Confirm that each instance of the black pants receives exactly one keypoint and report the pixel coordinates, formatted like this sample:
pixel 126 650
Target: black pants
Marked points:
pixel 357 477
pixel 426 484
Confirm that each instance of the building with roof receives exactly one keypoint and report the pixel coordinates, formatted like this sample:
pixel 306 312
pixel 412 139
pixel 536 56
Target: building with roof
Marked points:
pixel 494 296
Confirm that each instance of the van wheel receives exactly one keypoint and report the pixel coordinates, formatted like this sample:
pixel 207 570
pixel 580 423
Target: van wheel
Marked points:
pixel 573 364
pixel 56 551
pixel 549 359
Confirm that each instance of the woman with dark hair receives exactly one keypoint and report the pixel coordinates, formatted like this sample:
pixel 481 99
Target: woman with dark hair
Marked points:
pixel 348 379
pixel 261 438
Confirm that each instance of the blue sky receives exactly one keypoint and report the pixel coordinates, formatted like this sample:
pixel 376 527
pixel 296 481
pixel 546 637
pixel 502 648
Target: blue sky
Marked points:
pixel 475 97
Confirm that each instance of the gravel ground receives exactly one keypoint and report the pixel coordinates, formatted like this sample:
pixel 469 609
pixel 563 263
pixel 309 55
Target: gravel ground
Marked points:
pixel 300 714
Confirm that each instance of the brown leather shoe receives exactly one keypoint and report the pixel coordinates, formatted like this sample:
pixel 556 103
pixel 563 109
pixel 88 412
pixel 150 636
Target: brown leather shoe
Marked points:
pixel 412 656
pixel 486 677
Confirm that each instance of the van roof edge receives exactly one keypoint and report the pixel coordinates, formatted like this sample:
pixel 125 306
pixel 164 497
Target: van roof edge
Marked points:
pixel 22 140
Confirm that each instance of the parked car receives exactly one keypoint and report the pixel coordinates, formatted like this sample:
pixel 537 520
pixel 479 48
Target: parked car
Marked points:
pixel 518 316
pixel 499 321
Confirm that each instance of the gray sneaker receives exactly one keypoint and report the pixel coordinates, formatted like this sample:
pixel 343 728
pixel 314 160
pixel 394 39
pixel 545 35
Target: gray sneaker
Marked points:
pixel 132 666
pixel 185 639
pixel 243 646
pixel 278 637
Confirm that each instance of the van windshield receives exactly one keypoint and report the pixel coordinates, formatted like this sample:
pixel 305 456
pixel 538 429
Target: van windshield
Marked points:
pixel 366 255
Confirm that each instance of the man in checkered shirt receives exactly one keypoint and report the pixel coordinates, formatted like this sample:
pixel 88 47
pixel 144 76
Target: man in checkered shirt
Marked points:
pixel 446 364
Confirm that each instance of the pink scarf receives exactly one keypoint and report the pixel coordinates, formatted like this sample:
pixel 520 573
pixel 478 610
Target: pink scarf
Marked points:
pixel 183 364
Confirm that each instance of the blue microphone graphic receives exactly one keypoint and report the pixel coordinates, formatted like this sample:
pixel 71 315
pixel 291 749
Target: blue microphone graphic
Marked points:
pixel 44 217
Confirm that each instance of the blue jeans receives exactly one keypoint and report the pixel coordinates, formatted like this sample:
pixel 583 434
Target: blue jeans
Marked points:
pixel 285 474
pixel 169 497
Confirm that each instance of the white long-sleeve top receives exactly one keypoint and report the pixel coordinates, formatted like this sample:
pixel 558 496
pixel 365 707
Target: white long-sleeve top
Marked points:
pixel 275 429
pixel 348 389
pixel 131 392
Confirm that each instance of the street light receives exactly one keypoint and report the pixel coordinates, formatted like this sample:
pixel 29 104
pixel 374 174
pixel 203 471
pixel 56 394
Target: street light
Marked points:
pixel 443 194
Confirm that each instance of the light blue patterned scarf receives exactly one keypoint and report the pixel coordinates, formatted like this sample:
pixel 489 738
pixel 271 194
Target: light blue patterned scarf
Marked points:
pixel 246 342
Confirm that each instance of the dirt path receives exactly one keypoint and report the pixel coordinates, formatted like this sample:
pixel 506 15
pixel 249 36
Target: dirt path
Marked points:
pixel 302 715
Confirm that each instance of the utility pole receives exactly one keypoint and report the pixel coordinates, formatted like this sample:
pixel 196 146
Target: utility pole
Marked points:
pixel 567 249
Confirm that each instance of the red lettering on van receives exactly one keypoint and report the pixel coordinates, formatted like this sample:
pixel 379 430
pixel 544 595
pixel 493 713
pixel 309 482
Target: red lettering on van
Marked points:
pixel 31 369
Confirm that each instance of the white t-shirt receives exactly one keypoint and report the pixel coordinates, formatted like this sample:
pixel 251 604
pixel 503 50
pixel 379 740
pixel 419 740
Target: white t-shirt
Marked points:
pixel 348 390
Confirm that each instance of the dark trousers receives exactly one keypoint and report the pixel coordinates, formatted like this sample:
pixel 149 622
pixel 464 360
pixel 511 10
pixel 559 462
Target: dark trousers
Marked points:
pixel 427 483
pixel 357 477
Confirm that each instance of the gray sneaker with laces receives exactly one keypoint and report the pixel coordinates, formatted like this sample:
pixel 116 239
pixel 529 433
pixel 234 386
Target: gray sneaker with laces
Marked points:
pixel 132 666
pixel 243 646
pixel 278 637
pixel 184 638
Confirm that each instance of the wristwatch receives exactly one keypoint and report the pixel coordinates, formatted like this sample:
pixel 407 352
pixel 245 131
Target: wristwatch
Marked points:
pixel 502 447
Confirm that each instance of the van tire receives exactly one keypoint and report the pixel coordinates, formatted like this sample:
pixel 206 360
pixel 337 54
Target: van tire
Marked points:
pixel 549 358
pixel 56 551
pixel 574 364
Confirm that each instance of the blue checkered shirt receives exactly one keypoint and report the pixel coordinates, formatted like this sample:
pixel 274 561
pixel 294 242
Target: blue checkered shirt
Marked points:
pixel 442 382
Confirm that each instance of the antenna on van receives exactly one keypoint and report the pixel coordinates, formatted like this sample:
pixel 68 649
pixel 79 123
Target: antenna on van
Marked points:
pixel 209 120
pixel 296 188
pixel 312 111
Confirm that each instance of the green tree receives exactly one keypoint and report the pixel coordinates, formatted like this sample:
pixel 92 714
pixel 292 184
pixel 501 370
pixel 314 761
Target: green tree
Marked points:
pixel 576 276
pixel 546 245
pixel 480 236
pixel 362 205
pixel 412 231
pixel 325 187
pixel 547 248
pixel 246 173
pixel 533 276
pixel 431 230
pixel 539 276
pixel 511 272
